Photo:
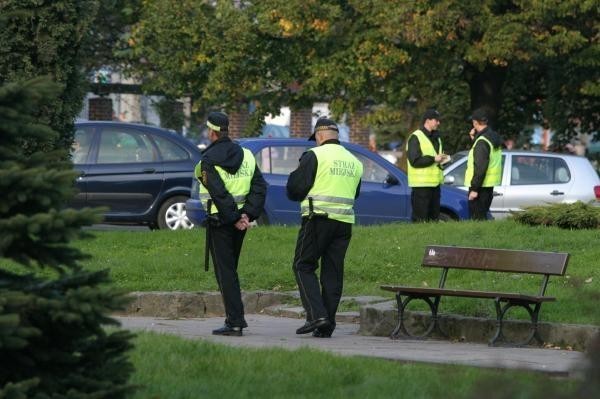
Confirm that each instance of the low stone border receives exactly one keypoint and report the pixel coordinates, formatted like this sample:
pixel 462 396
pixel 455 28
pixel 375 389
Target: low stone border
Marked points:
pixel 377 315
pixel 380 320
pixel 177 304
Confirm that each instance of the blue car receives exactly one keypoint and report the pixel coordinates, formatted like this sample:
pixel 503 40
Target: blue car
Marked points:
pixel 384 195
pixel 140 173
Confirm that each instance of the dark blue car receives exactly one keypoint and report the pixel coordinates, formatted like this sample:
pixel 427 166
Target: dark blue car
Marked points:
pixel 384 195
pixel 142 174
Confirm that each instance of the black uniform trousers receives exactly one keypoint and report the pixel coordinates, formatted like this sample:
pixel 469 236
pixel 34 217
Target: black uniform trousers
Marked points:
pixel 327 240
pixel 225 247
pixel 425 203
pixel 479 207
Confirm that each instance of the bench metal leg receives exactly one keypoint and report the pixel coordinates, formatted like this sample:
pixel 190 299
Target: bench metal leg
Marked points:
pixel 533 314
pixel 401 330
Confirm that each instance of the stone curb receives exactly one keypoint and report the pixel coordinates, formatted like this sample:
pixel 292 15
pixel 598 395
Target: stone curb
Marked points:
pixel 177 304
pixel 380 320
pixel 377 316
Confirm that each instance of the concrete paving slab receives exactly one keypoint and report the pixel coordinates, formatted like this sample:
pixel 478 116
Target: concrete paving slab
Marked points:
pixel 268 331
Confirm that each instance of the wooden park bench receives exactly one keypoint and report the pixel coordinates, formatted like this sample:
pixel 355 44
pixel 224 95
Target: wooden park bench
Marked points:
pixel 496 260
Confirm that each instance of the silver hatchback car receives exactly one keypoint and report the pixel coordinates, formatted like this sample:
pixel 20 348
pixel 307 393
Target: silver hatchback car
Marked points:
pixel 533 178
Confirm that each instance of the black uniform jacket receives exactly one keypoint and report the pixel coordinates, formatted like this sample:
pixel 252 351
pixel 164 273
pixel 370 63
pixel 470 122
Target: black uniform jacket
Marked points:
pixel 415 155
pixel 303 178
pixel 481 156
pixel 229 156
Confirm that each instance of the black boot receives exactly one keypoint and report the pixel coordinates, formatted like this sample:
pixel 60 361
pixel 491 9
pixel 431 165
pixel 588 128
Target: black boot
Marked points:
pixel 230 331
pixel 322 333
pixel 311 326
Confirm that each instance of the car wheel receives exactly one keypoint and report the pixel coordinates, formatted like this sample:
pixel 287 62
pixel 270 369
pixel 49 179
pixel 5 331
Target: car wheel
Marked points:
pixel 262 220
pixel 446 217
pixel 172 216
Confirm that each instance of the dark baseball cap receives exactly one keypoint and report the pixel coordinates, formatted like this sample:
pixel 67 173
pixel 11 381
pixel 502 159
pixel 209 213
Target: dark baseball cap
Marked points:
pixel 218 121
pixel 431 113
pixel 323 124
pixel 479 115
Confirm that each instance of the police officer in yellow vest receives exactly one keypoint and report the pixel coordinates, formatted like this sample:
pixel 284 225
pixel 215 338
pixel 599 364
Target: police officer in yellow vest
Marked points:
pixel 234 190
pixel 326 183
pixel 425 155
pixel 484 165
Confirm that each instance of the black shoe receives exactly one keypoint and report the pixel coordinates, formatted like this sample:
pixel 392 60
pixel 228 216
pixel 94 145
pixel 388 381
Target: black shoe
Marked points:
pixel 311 326
pixel 320 333
pixel 230 331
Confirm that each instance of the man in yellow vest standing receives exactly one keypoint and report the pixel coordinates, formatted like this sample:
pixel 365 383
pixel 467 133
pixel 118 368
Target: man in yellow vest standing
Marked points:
pixel 484 165
pixel 326 182
pixel 425 155
pixel 232 191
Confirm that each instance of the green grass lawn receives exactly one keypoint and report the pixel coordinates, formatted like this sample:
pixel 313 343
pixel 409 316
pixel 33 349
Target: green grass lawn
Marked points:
pixel 389 254
pixel 174 368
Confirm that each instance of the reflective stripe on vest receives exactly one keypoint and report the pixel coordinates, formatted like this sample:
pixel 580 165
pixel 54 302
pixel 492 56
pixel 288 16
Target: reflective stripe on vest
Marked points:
pixel 238 185
pixel 338 175
pixel 430 176
pixel 493 174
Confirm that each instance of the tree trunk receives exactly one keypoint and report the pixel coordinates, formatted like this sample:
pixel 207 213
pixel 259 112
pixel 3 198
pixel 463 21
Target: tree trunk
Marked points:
pixel 486 90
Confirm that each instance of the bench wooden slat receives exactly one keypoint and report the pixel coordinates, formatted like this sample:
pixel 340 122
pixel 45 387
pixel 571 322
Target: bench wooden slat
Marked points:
pixel 499 260
pixel 465 293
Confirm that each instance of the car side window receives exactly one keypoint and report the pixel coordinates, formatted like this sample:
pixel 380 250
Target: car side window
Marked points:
pixel 281 160
pixel 459 173
pixel 372 171
pixel 538 170
pixel 170 151
pixel 124 146
pixel 561 171
pixel 82 141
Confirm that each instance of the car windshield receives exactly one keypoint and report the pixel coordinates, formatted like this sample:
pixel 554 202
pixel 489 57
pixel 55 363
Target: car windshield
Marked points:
pixel 454 158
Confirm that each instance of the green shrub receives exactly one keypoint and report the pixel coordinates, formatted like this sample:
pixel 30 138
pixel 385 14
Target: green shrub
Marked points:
pixel 53 343
pixel 566 216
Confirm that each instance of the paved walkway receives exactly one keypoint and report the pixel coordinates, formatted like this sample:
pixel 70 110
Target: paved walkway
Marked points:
pixel 269 331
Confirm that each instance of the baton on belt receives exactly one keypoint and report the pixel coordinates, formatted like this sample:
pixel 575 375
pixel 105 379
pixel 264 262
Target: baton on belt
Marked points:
pixel 311 212
pixel 208 237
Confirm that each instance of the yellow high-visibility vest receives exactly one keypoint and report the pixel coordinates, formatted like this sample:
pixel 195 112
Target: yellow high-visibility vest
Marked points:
pixel 338 175
pixel 238 184
pixel 430 176
pixel 493 175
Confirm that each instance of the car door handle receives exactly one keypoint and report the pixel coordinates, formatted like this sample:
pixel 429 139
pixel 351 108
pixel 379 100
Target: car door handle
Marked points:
pixel 556 192
pixel 148 170
pixel 497 194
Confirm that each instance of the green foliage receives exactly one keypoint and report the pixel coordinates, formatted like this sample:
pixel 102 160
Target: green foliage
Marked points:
pixel 171 114
pixel 566 216
pixel 107 35
pixel 52 340
pixel 525 61
pixel 43 38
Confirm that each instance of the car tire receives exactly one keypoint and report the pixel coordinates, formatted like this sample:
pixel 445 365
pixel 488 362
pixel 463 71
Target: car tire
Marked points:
pixel 263 220
pixel 171 214
pixel 447 217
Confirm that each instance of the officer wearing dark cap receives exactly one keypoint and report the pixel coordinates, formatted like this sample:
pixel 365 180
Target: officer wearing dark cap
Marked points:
pixel 232 191
pixel 484 165
pixel 326 183
pixel 425 155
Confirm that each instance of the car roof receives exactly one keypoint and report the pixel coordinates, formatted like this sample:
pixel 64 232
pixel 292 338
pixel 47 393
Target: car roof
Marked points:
pixel 530 152
pixel 140 126
pixel 287 141
pixel 125 124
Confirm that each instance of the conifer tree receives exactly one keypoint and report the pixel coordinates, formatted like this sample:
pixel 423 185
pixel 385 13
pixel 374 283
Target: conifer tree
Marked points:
pixel 53 313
